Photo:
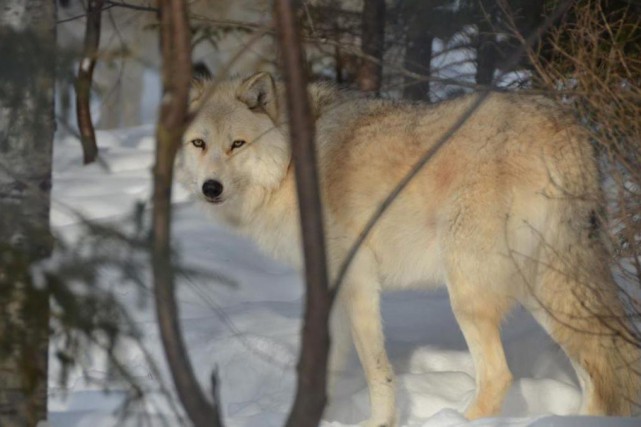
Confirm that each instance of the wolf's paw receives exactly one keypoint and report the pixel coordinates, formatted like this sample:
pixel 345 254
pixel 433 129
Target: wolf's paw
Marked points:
pixel 377 423
pixel 477 410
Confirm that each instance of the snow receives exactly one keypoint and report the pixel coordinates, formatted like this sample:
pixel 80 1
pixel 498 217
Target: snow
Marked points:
pixel 241 316
pixel 85 64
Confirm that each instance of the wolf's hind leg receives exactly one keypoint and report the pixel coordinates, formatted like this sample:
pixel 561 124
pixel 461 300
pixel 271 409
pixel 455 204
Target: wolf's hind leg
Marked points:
pixel 479 314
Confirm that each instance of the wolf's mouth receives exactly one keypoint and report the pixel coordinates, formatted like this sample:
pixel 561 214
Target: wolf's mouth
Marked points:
pixel 214 200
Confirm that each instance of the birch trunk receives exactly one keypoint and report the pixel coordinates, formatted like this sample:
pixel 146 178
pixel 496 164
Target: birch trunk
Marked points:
pixel 370 73
pixel 27 43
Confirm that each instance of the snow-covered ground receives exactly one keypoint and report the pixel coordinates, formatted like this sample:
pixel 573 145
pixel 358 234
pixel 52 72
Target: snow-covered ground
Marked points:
pixel 248 330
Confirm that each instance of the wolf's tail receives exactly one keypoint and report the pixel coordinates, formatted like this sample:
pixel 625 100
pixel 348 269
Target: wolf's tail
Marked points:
pixel 577 299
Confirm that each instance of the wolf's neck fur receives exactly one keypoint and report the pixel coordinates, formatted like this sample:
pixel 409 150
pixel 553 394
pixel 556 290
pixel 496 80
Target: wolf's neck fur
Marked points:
pixel 275 224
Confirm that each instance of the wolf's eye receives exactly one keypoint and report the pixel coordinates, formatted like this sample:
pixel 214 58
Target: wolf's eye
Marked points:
pixel 198 143
pixel 237 144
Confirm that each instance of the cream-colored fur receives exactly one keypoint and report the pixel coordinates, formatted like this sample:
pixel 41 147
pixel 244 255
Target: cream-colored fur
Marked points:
pixel 505 213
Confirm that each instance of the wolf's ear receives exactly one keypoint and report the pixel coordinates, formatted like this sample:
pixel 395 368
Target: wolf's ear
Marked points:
pixel 200 71
pixel 259 93
pixel 196 90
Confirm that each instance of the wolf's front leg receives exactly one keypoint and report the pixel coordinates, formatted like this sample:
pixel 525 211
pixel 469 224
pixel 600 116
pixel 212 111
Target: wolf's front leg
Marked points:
pixel 361 299
pixel 341 346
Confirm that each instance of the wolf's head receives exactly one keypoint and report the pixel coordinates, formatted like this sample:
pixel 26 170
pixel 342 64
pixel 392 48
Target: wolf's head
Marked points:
pixel 233 153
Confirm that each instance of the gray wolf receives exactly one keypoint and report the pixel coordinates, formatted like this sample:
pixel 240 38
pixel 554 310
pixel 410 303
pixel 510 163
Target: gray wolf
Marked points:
pixel 505 213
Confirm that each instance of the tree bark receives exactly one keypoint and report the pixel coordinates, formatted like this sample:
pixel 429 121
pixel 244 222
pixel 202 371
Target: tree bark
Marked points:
pixel 530 16
pixel 176 74
pixel 418 59
pixel 486 48
pixel 312 366
pixel 27 49
pixel 84 80
pixel 373 45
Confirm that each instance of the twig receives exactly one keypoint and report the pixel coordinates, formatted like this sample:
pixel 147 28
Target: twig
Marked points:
pixel 401 186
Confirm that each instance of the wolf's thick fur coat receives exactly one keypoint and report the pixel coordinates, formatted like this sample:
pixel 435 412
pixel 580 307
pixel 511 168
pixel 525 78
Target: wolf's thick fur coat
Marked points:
pixel 506 212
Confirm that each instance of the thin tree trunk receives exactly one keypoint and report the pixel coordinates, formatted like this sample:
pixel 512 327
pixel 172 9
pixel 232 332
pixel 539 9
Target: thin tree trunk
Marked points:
pixel 84 80
pixel 176 73
pixel 312 365
pixel 373 45
pixel 486 49
pixel 531 16
pixel 418 59
pixel 27 49
pixel 418 50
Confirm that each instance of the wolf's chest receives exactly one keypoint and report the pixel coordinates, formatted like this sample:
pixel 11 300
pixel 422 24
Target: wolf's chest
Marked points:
pixel 279 239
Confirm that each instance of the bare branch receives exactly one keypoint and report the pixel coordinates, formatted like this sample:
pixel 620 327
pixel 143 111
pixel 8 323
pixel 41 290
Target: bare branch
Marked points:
pixel 132 6
pixel 434 149
pixel 342 272
pixel 108 4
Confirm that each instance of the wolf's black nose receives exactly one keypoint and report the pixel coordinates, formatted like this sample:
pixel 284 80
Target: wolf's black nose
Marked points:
pixel 212 189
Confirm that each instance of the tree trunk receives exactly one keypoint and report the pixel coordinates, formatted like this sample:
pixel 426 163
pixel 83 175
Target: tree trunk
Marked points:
pixel 84 80
pixel 27 49
pixel 373 45
pixel 176 73
pixel 312 364
pixel 418 54
pixel 486 48
pixel 531 17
